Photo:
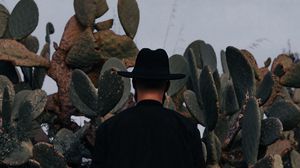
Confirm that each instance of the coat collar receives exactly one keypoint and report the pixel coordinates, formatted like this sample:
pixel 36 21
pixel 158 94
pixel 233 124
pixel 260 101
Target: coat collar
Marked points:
pixel 149 103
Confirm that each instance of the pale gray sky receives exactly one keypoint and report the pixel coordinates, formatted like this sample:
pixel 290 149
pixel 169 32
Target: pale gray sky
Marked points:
pixel 173 24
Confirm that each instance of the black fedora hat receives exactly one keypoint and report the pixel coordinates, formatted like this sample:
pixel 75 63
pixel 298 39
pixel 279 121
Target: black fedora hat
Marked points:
pixel 151 64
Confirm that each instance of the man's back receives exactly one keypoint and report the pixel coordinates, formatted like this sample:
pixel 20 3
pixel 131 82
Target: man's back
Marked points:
pixel 148 136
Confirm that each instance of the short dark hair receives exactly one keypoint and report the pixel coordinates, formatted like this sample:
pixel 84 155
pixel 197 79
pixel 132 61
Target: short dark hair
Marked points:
pixel 150 84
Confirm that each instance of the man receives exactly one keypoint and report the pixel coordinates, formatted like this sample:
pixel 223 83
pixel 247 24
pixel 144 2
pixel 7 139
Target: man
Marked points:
pixel 149 135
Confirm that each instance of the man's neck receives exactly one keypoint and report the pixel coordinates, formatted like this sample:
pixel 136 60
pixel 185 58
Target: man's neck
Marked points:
pixel 150 96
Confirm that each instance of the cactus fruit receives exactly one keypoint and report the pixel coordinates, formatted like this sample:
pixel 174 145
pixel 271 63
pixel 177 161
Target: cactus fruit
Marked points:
pixel 24 19
pixel 251 130
pixel 211 102
pixel 178 64
pixel 45 154
pixel 286 111
pixel 129 15
pixel 4 15
pixel 271 130
pixel 193 107
pixel 241 73
pixel 15 52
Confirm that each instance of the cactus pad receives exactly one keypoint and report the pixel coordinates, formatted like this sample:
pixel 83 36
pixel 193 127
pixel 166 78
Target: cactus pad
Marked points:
pixel 24 19
pixel 229 103
pixel 129 15
pixel 105 25
pixel 178 64
pixel 291 77
pixel 116 64
pixel 192 82
pixel 63 140
pixel 20 154
pixel 271 130
pixel 251 129
pixel 101 7
pixel 210 103
pixel 4 15
pixel 192 105
pixel 83 94
pixel 11 50
pixel 5 84
pixel 286 111
pixel 85 11
pixel 241 73
pixel 213 147
pixel 208 56
pixel 45 154
pixel 195 46
pixel 113 45
pixel 9 70
pixel 264 90
pixel 110 91
pixel 269 161
pixel 295 158
pixel 31 43
pixel 224 62
pixel 49 30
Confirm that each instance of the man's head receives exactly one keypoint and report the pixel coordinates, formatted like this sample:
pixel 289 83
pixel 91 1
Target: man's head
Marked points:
pixel 151 73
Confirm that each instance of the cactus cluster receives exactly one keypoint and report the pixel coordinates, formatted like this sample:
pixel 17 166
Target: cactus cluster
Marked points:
pixel 251 114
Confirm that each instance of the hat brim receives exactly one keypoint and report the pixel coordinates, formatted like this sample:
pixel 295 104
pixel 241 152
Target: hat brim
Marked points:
pixel 158 77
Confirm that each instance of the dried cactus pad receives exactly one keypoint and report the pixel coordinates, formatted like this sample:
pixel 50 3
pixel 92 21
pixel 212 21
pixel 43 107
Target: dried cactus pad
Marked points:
pixel 110 91
pixel 192 105
pixel 210 100
pixel 18 54
pixel 24 19
pixel 6 83
pixel 269 161
pixel 292 78
pixel 251 129
pixel 105 25
pixel 286 111
pixel 84 53
pixel 241 73
pixel 83 94
pixel 113 45
pixel 271 130
pixel 178 64
pixel 129 15
pixel 45 154
pixel 4 15
pixel 116 64
pixel 85 11
pixel 20 154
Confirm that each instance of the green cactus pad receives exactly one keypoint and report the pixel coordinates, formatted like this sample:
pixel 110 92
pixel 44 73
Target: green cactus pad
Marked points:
pixel 195 46
pixel 193 106
pixel 193 79
pixel 6 109
pixel 251 130
pixel 101 7
pixel 291 78
pixel 49 30
pixel 84 53
pixel 9 70
pixel 271 130
pixel 129 16
pixel 229 103
pixel 63 140
pixel 241 73
pixel 113 45
pixel 5 83
pixel 110 91
pixel 217 80
pixel 295 158
pixel 210 103
pixel 83 94
pixel 208 56
pixel 45 154
pixel 31 43
pixel 4 15
pixel 178 64
pixel 24 19
pixel 286 111
pixel 268 62
pixel 37 99
pixel 213 147
pixel 264 90
pixel 224 62
pixel 85 11
pixel 117 65
pixel 18 54
pixel 169 103
pixel 20 155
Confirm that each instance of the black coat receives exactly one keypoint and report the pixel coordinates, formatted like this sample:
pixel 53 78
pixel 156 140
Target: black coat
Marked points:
pixel 148 136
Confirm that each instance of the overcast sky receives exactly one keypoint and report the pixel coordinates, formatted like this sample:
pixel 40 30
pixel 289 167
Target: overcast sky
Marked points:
pixel 263 27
